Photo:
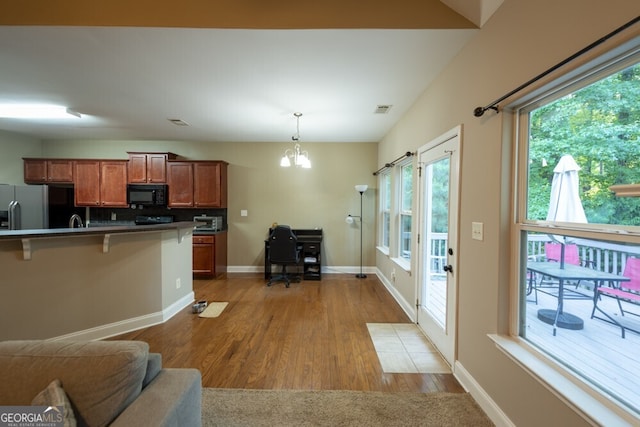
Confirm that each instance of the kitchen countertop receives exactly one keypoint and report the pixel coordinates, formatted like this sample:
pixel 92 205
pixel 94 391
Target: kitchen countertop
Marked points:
pixel 198 232
pixel 65 232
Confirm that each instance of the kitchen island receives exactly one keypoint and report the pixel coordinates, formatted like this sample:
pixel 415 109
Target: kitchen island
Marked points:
pixel 92 283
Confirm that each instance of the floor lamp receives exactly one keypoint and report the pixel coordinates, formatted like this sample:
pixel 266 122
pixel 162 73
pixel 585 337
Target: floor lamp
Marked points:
pixel 361 188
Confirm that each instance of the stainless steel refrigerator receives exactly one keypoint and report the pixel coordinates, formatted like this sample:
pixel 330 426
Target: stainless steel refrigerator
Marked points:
pixel 24 207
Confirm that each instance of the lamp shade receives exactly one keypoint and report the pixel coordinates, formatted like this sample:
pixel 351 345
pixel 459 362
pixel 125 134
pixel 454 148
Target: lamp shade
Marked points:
pixel 361 188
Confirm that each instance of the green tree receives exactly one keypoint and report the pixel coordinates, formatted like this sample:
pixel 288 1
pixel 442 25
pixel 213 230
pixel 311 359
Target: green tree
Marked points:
pixel 599 125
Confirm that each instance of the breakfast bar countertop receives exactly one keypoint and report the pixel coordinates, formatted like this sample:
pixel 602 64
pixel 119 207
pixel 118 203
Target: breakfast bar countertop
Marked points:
pixel 201 232
pixel 67 232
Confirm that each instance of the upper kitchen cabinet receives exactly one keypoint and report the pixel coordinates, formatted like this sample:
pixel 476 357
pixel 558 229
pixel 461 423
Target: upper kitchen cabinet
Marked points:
pixel 148 168
pixel 210 184
pixel 197 184
pixel 101 183
pixel 48 171
pixel 180 183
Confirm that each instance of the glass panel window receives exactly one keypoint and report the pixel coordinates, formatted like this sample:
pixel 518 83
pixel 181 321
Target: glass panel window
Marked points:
pixel 591 135
pixel 406 200
pixel 385 208
pixel 579 269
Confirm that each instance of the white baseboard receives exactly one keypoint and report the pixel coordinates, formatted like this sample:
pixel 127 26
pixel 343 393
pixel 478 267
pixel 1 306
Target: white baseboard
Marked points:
pixel 244 269
pixel 175 308
pixel 408 308
pixel 129 325
pixel 337 269
pixel 487 404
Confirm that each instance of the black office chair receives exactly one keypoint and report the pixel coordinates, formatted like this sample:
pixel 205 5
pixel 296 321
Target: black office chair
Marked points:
pixel 283 250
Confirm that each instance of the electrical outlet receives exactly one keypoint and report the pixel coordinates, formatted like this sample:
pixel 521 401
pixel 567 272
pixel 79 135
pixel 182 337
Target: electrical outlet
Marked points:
pixel 113 216
pixel 178 283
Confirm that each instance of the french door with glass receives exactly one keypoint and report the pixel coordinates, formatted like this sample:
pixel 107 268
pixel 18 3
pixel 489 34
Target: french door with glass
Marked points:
pixel 438 163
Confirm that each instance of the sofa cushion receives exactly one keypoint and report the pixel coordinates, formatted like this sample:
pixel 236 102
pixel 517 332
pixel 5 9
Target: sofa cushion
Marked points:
pixel 172 399
pixel 101 378
pixel 54 395
pixel 154 365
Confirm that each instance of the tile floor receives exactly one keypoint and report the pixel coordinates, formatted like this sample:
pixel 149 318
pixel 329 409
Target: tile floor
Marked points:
pixel 403 348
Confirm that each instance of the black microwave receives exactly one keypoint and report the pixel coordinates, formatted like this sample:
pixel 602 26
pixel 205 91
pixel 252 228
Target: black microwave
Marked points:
pixel 147 195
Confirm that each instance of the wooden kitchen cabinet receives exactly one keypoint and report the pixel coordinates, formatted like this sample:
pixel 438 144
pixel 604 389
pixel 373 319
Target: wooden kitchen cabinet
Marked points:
pixel 180 183
pixel 100 183
pixel 210 184
pixel 210 255
pixel 48 171
pixel 197 184
pixel 148 168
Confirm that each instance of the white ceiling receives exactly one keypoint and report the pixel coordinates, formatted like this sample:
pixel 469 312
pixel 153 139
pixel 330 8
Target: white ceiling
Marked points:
pixel 227 84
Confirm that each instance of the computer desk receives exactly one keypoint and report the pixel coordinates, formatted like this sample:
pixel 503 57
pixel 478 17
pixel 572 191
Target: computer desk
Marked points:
pixel 310 243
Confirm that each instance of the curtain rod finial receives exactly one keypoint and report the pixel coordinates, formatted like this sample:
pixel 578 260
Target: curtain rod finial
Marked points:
pixel 479 111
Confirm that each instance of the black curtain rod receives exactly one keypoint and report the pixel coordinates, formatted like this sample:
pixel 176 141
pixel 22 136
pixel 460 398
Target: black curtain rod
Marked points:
pixel 391 164
pixel 479 111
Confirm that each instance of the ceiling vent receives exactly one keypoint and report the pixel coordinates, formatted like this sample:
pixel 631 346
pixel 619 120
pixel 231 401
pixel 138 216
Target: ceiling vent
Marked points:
pixel 178 122
pixel 382 109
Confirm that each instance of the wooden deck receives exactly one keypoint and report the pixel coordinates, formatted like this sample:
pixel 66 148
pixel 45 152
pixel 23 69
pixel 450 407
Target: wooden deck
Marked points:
pixel 597 352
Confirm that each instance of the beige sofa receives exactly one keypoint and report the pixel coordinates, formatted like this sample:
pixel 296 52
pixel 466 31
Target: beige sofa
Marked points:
pixel 116 383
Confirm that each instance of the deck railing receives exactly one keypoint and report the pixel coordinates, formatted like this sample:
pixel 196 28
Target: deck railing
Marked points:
pixel 602 256
pixel 438 252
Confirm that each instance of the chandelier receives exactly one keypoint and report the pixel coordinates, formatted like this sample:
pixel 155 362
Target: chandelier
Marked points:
pixel 296 156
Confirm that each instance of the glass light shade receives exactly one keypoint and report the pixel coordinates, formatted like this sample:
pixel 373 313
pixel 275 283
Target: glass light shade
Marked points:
pixel 285 162
pixel 361 188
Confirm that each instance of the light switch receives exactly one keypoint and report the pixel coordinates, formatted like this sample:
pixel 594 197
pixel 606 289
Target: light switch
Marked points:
pixel 244 212
pixel 477 230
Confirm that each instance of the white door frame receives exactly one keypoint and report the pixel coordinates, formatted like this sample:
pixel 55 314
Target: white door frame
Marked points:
pixel 444 338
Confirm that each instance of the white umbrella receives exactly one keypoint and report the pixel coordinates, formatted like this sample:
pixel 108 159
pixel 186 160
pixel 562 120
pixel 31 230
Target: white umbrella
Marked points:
pixel 565 204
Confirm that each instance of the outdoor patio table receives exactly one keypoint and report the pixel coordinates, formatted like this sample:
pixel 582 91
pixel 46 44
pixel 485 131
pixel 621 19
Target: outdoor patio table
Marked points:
pixel 558 318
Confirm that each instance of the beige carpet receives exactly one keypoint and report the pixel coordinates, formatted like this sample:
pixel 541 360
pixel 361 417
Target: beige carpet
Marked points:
pixel 214 309
pixel 234 407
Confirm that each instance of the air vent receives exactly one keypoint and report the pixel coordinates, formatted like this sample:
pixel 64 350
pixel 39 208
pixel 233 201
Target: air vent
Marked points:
pixel 178 122
pixel 382 109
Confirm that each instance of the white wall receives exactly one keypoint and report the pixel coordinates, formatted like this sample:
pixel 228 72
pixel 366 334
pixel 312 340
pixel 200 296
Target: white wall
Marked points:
pixel 520 41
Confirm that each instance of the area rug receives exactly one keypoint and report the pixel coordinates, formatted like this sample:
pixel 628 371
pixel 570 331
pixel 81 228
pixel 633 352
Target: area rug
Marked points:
pixel 214 309
pixel 236 407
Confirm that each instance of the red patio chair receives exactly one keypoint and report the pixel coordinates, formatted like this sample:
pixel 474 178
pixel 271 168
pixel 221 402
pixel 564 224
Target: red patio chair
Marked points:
pixel 627 293
pixel 552 252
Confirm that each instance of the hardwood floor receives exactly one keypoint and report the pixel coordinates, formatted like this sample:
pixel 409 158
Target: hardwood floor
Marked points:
pixel 311 336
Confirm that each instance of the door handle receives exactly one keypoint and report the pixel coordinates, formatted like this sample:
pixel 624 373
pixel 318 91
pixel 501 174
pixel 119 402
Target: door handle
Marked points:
pixel 448 268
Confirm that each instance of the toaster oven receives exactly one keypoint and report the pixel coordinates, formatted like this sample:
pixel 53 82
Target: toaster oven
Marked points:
pixel 209 223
